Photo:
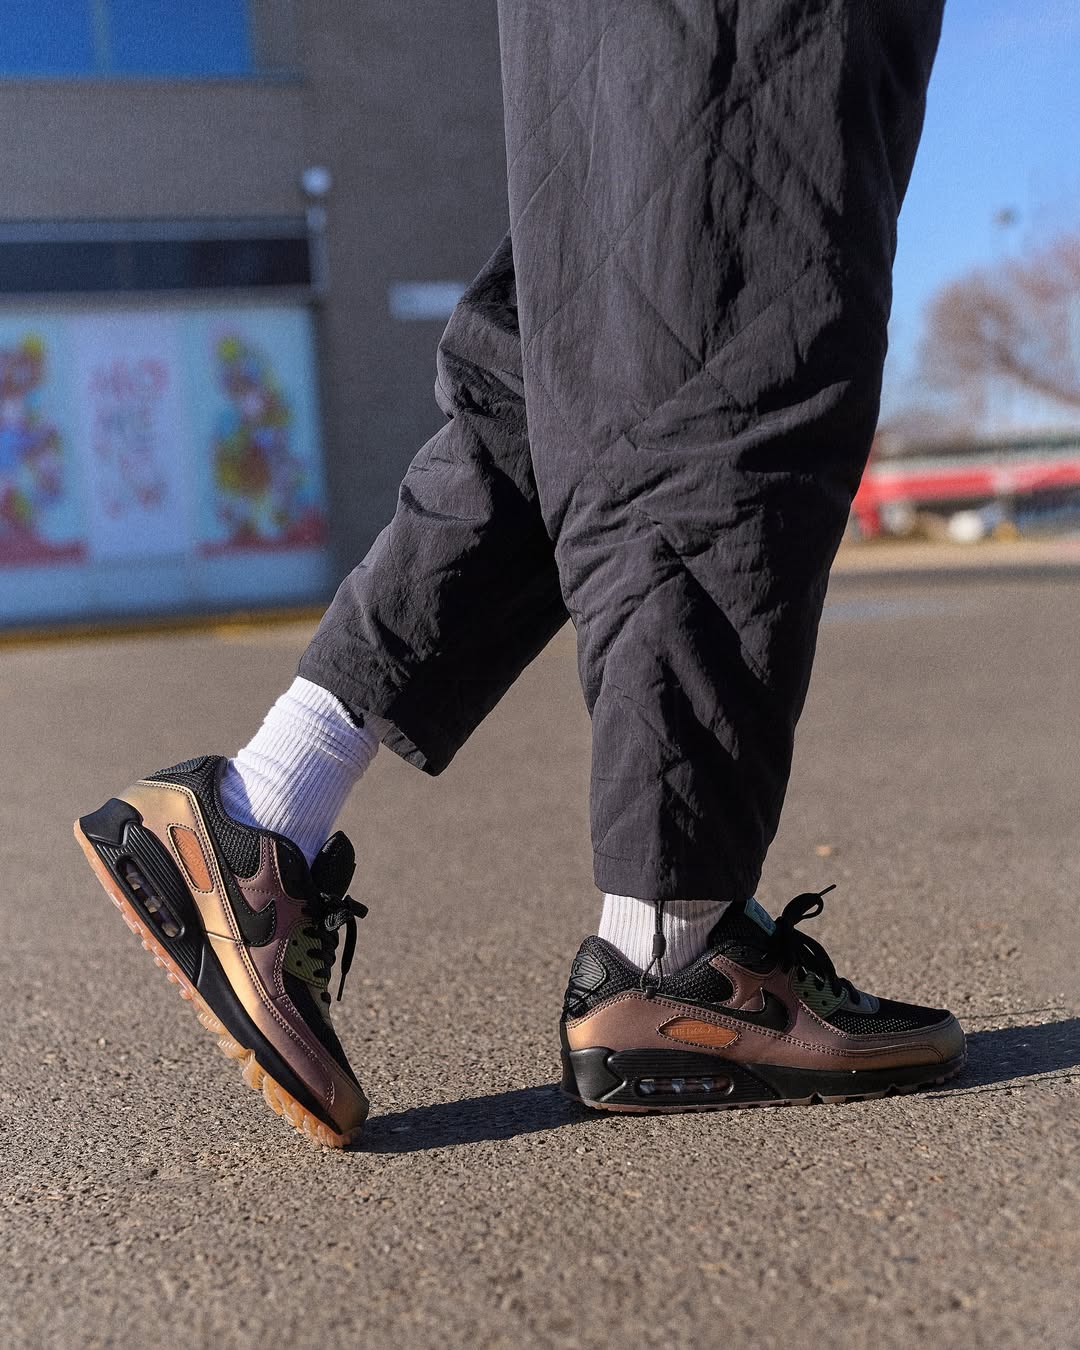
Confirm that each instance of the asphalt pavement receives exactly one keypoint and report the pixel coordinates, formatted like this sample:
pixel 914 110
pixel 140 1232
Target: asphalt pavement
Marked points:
pixel 148 1198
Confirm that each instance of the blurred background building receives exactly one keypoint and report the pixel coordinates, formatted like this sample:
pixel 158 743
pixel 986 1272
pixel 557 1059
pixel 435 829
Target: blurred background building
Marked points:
pixel 231 232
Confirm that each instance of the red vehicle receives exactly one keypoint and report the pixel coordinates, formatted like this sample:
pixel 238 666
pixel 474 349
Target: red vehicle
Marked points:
pixel 1006 474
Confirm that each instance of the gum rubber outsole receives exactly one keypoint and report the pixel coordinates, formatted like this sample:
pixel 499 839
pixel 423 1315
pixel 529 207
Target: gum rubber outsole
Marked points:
pixel 280 1101
pixel 814 1099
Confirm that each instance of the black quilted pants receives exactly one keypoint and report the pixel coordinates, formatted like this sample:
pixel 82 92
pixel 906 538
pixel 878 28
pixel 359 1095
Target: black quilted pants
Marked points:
pixel 660 394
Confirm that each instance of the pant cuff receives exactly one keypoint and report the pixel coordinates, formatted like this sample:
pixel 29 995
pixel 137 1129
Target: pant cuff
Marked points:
pixel 689 881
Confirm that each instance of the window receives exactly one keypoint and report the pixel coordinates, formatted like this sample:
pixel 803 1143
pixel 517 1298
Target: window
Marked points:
pixel 158 38
pixel 46 37
pixel 73 258
pixel 161 37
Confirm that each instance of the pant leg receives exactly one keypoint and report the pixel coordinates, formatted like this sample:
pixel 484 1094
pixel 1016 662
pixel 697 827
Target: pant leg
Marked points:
pixel 460 591
pixel 703 206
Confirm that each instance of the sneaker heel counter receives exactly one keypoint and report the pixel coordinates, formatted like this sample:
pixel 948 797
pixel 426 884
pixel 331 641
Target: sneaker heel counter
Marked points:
pixel 588 976
pixel 106 825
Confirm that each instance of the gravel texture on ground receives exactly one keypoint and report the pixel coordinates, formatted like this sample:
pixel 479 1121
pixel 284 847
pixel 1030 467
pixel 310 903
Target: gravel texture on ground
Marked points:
pixel 150 1199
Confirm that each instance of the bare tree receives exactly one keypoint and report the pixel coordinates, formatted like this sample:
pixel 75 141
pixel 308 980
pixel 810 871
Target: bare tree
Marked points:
pixel 1017 324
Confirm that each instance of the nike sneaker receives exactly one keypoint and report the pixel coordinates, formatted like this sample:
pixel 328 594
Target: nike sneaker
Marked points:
pixel 245 929
pixel 760 1019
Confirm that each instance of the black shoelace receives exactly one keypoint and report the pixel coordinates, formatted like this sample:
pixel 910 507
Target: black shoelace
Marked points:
pixel 791 947
pixel 335 912
pixel 795 949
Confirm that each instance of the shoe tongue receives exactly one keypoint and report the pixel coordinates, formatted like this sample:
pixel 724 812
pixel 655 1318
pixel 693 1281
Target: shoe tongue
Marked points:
pixel 333 866
pixel 742 933
pixel 743 919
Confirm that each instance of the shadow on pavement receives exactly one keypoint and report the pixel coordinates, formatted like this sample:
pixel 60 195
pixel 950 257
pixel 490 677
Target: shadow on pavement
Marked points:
pixel 502 1115
pixel 998 1061
pixel 1010 1055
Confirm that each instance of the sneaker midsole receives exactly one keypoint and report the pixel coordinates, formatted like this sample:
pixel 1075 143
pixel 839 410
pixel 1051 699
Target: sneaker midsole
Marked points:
pixel 656 1078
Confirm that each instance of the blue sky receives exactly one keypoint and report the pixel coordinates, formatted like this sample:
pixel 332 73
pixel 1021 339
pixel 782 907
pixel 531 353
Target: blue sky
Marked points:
pixel 1002 130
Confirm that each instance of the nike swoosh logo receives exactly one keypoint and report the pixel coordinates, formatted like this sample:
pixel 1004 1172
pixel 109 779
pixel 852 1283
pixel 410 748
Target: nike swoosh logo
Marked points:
pixel 772 1014
pixel 256 925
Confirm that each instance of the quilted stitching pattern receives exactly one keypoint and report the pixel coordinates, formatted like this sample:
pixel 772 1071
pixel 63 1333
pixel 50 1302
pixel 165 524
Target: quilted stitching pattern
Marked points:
pixel 691 263
pixel 703 202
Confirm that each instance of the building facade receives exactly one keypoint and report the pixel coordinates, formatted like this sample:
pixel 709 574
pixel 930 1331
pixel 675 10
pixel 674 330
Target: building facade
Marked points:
pixel 230 235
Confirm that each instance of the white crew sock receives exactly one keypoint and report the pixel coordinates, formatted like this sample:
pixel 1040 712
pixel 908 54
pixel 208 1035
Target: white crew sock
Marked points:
pixel 304 760
pixel 629 925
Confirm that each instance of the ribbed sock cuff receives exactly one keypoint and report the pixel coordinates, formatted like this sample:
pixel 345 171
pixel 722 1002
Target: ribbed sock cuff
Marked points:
pixel 629 924
pixel 295 774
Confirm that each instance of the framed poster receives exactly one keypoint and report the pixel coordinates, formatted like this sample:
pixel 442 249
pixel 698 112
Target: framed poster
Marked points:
pixel 157 458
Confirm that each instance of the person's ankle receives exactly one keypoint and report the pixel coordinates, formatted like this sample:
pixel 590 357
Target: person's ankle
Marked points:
pixel 295 774
pixel 629 925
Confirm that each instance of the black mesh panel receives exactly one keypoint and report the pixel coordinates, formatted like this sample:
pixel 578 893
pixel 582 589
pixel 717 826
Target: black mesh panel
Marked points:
pixel 700 983
pixel 599 972
pixel 741 940
pixel 890 1017
pixel 239 844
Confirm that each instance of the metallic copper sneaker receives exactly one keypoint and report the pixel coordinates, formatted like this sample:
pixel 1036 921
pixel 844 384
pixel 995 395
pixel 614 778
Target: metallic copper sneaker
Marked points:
pixel 761 1019
pixel 246 930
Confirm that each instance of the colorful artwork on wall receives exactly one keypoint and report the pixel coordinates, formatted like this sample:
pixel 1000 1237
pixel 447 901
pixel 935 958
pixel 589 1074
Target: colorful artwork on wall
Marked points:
pixel 256 421
pixel 39 517
pixel 130 408
pixel 153 438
